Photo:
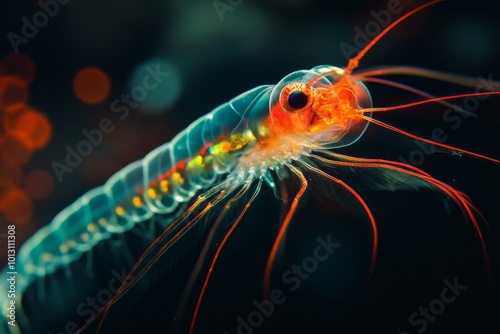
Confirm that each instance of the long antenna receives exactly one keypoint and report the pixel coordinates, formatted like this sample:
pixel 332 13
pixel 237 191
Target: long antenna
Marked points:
pixel 353 62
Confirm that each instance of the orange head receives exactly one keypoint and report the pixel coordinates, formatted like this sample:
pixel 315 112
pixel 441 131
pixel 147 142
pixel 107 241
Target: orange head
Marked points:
pixel 321 103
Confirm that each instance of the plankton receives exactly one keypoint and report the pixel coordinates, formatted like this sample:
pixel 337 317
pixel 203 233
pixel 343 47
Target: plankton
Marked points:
pixel 286 139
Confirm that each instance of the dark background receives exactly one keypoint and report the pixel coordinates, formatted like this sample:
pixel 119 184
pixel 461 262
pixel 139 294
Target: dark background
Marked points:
pixel 421 242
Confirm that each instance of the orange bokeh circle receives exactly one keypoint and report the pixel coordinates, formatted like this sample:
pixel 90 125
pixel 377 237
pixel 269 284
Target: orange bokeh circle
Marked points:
pixel 91 85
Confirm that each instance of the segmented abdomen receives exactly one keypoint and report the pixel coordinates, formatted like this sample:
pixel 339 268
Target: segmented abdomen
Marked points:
pixel 154 186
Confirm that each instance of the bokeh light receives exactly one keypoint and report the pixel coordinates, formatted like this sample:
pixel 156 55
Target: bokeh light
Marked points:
pixel 91 85
pixel 13 93
pixel 10 176
pixel 14 150
pixel 18 64
pixel 155 85
pixel 16 206
pixel 23 130
pixel 33 128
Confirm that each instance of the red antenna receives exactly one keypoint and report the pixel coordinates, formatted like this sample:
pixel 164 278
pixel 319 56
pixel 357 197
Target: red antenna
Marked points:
pixel 353 63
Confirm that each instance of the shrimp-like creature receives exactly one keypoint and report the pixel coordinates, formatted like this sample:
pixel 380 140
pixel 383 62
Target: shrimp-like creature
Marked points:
pixel 258 138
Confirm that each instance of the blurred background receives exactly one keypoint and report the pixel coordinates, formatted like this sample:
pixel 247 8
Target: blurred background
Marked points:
pixel 63 72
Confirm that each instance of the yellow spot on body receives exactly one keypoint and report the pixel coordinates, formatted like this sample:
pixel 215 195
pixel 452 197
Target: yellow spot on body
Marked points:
pixel 71 243
pixel 215 149
pixel 136 200
pixel 63 248
pixel 85 236
pixel 233 143
pixel 226 147
pixel 178 178
pixel 29 268
pixel 196 162
pixel 120 211
pixel 199 161
pixel 47 257
pixel 263 130
pixel 151 193
pixel 91 227
pixel 103 221
pixel 164 186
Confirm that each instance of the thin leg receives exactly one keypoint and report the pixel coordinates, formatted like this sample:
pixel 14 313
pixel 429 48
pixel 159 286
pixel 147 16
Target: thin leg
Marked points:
pixel 282 231
pixel 365 207
pixel 463 202
pixel 202 257
pixel 217 253
pixel 130 280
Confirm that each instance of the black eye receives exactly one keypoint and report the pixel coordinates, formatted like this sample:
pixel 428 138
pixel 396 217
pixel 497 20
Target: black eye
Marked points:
pixel 296 97
pixel 297 100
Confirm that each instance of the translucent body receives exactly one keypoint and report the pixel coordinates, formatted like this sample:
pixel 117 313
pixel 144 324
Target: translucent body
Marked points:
pixel 168 176
pixel 139 191
pixel 175 172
